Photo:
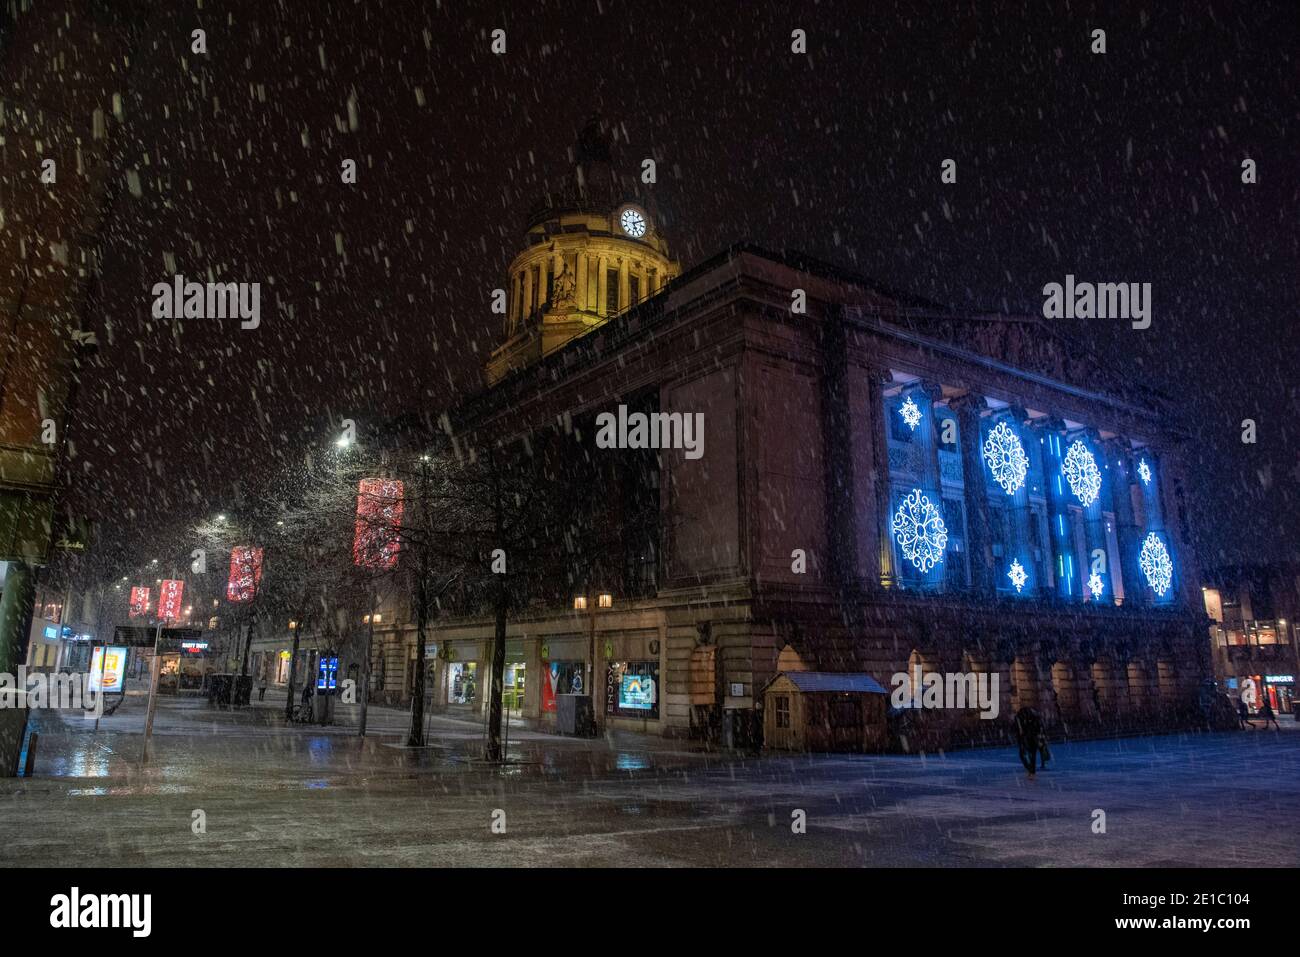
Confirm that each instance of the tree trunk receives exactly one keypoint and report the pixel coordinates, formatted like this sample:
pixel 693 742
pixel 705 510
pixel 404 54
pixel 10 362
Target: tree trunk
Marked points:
pixel 365 668
pixel 293 672
pixel 415 738
pixel 498 677
pixel 499 646
pixel 248 643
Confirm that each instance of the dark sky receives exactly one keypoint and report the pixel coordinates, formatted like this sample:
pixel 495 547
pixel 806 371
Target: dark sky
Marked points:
pixel 1117 167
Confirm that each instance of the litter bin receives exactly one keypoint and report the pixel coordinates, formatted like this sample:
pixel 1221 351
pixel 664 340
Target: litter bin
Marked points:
pixel 574 715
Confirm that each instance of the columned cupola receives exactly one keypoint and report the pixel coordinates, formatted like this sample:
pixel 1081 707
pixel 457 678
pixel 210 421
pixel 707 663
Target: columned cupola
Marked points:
pixel 591 251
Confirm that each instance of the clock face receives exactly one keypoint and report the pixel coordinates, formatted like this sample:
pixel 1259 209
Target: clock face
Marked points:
pixel 633 223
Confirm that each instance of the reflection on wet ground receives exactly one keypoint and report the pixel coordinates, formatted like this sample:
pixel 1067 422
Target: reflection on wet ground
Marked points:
pixel 275 795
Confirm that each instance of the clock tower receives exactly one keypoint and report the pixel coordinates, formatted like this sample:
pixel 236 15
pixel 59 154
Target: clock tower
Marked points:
pixel 591 252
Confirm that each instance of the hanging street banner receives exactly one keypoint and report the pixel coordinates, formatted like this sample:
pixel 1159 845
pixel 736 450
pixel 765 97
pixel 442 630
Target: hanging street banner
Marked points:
pixel 245 573
pixel 379 516
pixel 139 602
pixel 169 599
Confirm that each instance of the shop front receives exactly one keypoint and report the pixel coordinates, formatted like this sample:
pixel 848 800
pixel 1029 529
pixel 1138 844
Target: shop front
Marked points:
pixel 563 666
pixel 1279 691
pixel 630 696
pixel 462 683
pixel 1276 689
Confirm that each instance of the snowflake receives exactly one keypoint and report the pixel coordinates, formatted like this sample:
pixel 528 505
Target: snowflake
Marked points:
pixel 1017 574
pixel 1081 472
pixel 1156 566
pixel 1006 458
pixel 919 530
pixel 911 413
pixel 1095 585
pixel 1144 471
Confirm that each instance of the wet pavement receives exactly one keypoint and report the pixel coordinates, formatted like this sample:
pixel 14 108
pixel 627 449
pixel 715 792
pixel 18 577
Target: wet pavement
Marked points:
pixel 269 795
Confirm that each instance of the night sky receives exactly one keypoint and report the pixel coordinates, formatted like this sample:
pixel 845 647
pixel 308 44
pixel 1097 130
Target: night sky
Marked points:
pixel 1117 167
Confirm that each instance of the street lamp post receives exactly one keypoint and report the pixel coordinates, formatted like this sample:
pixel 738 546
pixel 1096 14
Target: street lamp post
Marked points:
pixel 604 601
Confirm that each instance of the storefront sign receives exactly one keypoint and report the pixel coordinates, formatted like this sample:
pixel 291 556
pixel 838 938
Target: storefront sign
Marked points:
pixel 139 602
pixel 1280 679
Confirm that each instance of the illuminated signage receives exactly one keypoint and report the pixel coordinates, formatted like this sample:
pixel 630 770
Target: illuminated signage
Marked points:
pixel 379 516
pixel 327 674
pixel 1280 679
pixel 169 599
pixel 194 647
pixel 139 602
pixel 51 632
pixel 245 573
pixel 107 669
pixel 632 689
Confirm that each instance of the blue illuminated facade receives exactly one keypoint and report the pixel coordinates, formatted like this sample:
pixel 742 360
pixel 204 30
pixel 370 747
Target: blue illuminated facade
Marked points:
pixel 1055 512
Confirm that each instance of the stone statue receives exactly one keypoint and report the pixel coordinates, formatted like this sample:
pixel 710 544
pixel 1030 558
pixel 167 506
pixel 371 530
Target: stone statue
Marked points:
pixel 562 292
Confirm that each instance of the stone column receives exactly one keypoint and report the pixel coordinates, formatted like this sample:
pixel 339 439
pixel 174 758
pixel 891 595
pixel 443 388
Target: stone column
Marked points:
pixel 602 292
pixel 978 537
pixel 1094 527
pixel 1127 534
pixel 526 304
pixel 878 410
pixel 930 437
pixel 1058 513
pixel 622 283
pixel 581 280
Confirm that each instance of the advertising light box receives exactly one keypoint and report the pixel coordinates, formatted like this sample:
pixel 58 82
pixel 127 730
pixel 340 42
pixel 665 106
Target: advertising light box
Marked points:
pixel 632 689
pixel 108 669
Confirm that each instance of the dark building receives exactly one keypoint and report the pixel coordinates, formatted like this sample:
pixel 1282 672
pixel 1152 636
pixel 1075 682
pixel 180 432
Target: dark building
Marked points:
pixel 1254 609
pixel 845 479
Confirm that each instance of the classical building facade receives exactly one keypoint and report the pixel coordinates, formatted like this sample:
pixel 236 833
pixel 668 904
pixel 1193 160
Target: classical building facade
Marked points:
pixel 882 485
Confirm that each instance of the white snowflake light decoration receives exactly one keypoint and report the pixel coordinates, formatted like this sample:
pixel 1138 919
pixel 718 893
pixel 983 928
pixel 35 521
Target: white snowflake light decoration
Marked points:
pixel 1095 585
pixel 1144 472
pixel 1156 565
pixel 1006 458
pixel 920 532
pixel 911 413
pixel 1017 574
pixel 1081 472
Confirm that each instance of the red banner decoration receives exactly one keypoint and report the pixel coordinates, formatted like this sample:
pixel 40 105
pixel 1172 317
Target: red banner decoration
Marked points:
pixel 169 600
pixel 139 602
pixel 245 573
pixel 379 516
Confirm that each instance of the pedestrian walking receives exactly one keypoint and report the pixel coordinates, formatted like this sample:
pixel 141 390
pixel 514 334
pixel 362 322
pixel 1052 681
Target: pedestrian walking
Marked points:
pixel 1028 729
pixel 261 689
pixel 1266 712
pixel 1243 715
